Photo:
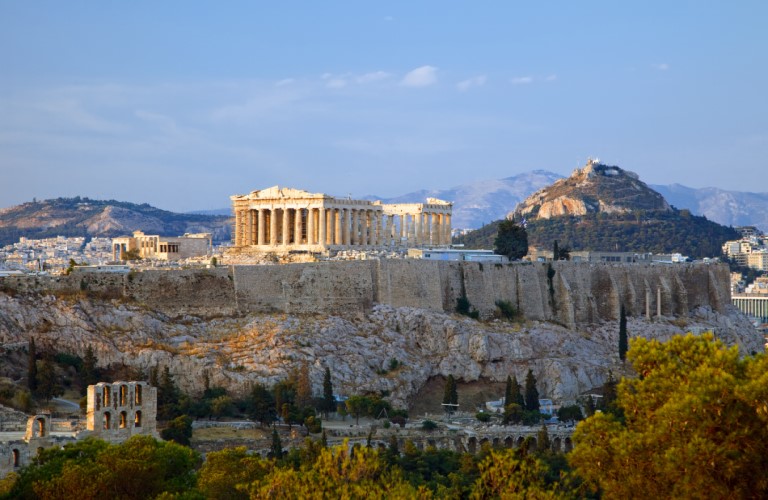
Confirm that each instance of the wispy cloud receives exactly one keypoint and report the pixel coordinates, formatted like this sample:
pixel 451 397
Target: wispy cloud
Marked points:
pixel 336 83
pixel 550 78
pixel 422 76
pixel 475 81
pixel 374 76
pixel 389 18
pixel 521 80
pixel 284 82
pixel 661 66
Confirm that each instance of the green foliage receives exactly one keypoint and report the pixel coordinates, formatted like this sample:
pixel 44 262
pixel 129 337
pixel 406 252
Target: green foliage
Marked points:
pixel 696 422
pixel 506 310
pixel 262 405
pixel 141 467
pixel 357 406
pixel 450 392
pixel 89 373
pixel 224 470
pixel 531 393
pixel 179 430
pixel 428 425
pixel 570 412
pixel 276 449
pixel 639 231
pixel 623 343
pixel 465 308
pixel 328 403
pixel 483 416
pixel 48 381
pixel 511 240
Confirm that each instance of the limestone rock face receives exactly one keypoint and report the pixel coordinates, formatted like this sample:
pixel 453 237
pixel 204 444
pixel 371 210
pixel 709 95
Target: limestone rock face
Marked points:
pixel 359 349
pixel 594 188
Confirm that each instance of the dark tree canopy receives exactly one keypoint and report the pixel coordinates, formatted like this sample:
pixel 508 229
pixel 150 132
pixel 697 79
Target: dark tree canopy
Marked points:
pixel 531 393
pixel 511 240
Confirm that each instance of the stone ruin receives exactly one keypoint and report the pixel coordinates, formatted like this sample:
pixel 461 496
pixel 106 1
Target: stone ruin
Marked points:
pixel 115 412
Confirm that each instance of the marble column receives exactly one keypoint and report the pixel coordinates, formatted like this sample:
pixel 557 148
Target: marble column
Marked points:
pixel 345 223
pixel 321 226
pixel 310 226
pixel 260 230
pixel 286 236
pixel 355 226
pixel 447 228
pixel 273 227
pixel 297 226
pixel 338 223
pixel 436 228
pixel 376 229
pixel 238 226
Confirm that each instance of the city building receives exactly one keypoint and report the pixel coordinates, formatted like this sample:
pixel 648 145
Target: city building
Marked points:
pixel 285 219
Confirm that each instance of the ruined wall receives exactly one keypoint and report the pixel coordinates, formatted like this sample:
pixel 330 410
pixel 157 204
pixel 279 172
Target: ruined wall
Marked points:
pixel 120 410
pixel 577 293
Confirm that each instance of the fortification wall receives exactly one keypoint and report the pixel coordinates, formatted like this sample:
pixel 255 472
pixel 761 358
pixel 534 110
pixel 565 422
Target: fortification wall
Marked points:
pixel 566 292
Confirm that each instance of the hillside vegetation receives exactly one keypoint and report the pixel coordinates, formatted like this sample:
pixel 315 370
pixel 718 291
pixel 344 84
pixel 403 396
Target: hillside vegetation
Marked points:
pixel 640 231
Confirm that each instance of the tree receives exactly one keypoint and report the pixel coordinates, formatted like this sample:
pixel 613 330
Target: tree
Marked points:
pixel 179 430
pixel 512 392
pixel 262 405
pixel 303 386
pixel 276 449
pixel 511 240
pixel 329 401
pixel 89 373
pixel 47 382
pixel 32 366
pixel 356 406
pixel 450 394
pixel 531 393
pixel 555 251
pixel 695 421
pixel 223 470
pixel 623 344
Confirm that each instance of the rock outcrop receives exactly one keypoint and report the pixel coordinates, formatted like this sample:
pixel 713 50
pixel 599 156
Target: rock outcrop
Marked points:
pixel 594 188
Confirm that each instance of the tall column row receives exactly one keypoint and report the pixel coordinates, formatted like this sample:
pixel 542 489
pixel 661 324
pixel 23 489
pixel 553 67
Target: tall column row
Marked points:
pixel 337 226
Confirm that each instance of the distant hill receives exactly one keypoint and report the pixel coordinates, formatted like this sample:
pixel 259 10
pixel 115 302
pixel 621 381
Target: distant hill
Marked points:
pixel 603 207
pixel 85 217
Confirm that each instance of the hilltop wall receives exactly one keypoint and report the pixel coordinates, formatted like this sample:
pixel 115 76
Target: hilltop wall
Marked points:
pixel 577 294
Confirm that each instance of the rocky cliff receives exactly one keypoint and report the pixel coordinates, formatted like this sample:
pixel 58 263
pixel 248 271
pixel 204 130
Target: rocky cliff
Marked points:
pixel 256 323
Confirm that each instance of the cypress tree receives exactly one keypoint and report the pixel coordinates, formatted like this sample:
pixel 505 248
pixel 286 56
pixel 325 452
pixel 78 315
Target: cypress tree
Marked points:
pixel 555 251
pixel 329 401
pixel 623 342
pixel 32 366
pixel 276 450
pixel 531 393
pixel 89 374
pixel 450 395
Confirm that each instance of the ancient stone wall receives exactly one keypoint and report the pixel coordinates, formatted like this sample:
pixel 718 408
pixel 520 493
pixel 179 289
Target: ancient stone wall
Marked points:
pixel 569 293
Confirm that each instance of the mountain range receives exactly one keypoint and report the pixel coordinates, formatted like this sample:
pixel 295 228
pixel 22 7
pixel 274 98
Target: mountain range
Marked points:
pixel 480 202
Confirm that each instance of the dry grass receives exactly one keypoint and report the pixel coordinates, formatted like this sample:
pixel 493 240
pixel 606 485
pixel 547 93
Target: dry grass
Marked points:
pixel 225 433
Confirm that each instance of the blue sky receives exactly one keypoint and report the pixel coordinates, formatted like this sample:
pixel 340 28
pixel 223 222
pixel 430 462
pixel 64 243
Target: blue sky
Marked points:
pixel 181 104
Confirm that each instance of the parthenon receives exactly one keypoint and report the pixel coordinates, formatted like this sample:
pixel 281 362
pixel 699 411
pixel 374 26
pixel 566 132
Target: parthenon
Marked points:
pixel 276 219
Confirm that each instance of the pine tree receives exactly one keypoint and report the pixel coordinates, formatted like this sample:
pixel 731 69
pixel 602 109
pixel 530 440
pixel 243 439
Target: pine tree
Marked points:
pixel 32 366
pixel 555 251
pixel 47 382
pixel 531 393
pixel 508 395
pixel 329 401
pixel 623 342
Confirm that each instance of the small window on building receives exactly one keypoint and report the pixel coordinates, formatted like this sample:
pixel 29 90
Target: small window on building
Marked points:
pixel 40 427
pixel 123 420
pixel 107 420
pixel 16 460
pixel 137 419
pixel 105 395
pixel 123 395
pixel 138 395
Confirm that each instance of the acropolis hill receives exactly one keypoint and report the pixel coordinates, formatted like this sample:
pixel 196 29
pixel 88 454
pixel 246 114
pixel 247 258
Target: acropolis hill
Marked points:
pixel 254 323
